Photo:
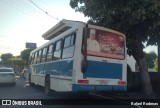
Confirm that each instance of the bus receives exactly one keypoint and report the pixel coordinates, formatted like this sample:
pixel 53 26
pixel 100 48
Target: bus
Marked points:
pixel 80 57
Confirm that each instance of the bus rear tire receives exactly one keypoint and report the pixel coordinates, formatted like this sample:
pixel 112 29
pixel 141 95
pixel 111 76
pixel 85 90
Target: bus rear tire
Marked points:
pixel 47 84
pixel 29 79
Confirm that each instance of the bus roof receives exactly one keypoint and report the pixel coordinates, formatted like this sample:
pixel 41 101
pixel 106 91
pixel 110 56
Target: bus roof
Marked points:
pixel 65 25
pixel 59 28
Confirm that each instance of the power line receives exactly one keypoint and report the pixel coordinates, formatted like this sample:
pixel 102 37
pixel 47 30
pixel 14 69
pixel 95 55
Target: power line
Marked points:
pixel 43 10
pixel 45 6
pixel 19 7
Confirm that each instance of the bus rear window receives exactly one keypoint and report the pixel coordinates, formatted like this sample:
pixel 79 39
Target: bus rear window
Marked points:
pixel 105 44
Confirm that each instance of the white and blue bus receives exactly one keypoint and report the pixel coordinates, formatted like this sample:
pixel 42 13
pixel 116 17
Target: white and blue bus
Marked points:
pixel 80 57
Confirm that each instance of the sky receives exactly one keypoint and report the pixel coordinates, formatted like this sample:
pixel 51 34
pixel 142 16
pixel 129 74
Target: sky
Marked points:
pixel 21 21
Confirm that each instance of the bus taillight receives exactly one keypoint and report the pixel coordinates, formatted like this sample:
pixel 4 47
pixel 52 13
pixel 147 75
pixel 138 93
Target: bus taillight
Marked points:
pixel 83 81
pixel 121 82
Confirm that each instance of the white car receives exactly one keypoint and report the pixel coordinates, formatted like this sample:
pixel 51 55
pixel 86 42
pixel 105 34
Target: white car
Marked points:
pixel 7 75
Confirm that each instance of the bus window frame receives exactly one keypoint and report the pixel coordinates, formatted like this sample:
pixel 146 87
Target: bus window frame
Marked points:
pixel 61 47
pixel 64 41
pixel 40 55
pixel 51 53
pixel 43 56
pixel 70 45
pixel 33 57
pixel 74 40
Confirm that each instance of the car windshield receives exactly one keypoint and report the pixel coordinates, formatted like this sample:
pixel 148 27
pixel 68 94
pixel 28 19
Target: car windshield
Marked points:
pixel 6 70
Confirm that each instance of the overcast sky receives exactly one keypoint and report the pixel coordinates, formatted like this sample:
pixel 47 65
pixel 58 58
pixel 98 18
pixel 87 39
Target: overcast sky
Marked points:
pixel 21 21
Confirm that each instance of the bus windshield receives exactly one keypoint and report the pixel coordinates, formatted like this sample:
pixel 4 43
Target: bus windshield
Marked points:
pixel 105 44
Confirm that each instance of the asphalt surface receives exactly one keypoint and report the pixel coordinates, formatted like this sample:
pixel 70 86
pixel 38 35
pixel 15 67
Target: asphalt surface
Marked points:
pixel 23 91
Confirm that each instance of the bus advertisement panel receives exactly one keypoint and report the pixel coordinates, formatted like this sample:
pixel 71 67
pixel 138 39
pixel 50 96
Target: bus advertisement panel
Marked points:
pixel 105 44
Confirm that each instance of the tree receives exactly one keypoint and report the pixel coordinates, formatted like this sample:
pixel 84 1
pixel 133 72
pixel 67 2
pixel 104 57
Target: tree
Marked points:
pixel 5 57
pixel 17 63
pixel 139 20
pixel 156 65
pixel 25 55
pixel 150 57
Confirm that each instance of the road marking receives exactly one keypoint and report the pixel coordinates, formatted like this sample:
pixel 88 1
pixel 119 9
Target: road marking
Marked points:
pixel 113 99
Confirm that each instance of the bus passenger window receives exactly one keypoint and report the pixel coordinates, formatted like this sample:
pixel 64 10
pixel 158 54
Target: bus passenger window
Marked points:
pixel 32 58
pixel 44 55
pixel 49 52
pixel 35 58
pixel 73 39
pixel 58 45
pixel 67 41
pixel 39 56
pixel 57 52
pixel 69 50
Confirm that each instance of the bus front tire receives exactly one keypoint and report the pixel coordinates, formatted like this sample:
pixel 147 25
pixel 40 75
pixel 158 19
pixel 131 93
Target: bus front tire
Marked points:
pixel 47 85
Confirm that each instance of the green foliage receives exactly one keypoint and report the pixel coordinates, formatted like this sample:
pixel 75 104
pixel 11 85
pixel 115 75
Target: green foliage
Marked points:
pixel 6 57
pixel 138 19
pixel 150 57
pixel 17 63
pixel 25 55
pixel 156 65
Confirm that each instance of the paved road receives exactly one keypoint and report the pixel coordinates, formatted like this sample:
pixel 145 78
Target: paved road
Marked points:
pixel 22 90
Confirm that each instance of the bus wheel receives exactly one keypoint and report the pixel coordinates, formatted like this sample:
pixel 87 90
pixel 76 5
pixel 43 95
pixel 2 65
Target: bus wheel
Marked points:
pixel 29 79
pixel 129 78
pixel 47 84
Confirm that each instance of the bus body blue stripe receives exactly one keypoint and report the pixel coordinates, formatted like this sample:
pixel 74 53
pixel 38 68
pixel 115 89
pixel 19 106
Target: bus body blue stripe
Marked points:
pixel 96 69
pixel 61 68
pixel 78 88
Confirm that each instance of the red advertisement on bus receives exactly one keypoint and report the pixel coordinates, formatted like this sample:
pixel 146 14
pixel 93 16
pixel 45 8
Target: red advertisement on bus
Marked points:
pixel 105 44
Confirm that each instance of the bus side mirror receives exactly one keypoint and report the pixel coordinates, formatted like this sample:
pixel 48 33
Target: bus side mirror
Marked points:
pixel 84 66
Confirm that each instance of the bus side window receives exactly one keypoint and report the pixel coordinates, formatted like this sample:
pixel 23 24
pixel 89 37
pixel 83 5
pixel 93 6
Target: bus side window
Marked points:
pixel 39 56
pixel 67 41
pixel 68 49
pixel 49 53
pixel 35 58
pixel 33 55
pixel 31 58
pixel 73 39
pixel 43 57
pixel 58 49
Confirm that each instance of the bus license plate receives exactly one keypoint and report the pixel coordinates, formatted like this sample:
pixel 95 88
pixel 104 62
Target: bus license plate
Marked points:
pixel 102 82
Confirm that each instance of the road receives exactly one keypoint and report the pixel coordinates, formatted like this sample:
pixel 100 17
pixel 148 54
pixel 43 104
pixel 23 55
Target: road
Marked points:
pixel 22 90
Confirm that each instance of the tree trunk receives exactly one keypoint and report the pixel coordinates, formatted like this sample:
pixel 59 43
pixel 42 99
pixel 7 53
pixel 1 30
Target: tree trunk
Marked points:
pixel 136 49
pixel 145 78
